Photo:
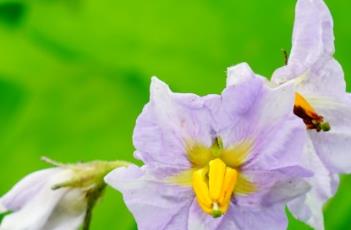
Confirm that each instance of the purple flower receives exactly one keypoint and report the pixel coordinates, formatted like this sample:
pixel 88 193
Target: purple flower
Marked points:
pixel 228 161
pixel 321 102
pixel 320 85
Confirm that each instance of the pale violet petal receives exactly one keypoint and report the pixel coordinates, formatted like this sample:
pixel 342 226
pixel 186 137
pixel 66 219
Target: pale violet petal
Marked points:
pixel 326 80
pixel 34 214
pixel 243 72
pixel 154 204
pixel 313 40
pixel 26 188
pixel 311 63
pixel 167 124
pixel 199 220
pixel 239 73
pixel 241 218
pixel 335 111
pixel 274 186
pixel 238 218
pixel 251 101
pixel 309 208
pixel 253 112
pixel 313 35
pixel 275 104
pixel 333 146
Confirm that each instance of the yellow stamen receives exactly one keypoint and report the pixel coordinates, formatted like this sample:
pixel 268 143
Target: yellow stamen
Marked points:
pixel 205 208
pixel 230 180
pixel 201 188
pixel 311 118
pixel 214 192
pixel 300 101
pixel 216 177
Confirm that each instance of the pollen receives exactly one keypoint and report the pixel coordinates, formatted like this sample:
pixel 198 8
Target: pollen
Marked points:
pixel 213 186
pixel 312 120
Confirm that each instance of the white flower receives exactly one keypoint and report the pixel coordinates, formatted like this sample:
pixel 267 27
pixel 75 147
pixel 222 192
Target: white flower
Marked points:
pixel 35 205
pixel 55 199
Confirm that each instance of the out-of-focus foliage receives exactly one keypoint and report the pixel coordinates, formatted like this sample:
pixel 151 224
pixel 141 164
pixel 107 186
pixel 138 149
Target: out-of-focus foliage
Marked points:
pixel 74 75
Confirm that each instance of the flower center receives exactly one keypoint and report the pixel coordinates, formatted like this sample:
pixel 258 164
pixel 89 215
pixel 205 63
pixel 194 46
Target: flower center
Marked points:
pixel 213 186
pixel 310 117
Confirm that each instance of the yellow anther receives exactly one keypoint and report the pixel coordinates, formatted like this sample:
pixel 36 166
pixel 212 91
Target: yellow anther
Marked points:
pixel 201 188
pixel 206 209
pixel 230 180
pixel 216 177
pixel 300 101
pixel 310 117
pixel 214 186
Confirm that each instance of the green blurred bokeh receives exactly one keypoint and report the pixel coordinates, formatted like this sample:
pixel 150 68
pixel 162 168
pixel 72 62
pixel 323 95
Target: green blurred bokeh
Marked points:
pixel 74 75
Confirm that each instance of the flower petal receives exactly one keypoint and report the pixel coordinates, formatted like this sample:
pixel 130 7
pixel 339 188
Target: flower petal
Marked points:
pixel 242 218
pixel 326 80
pixel 69 212
pixel 36 211
pixel 252 112
pixel 309 207
pixel 333 146
pixel 26 189
pixel 242 72
pixel 154 204
pixel 311 61
pixel 313 39
pixel 313 36
pixel 274 186
pixel 199 220
pixel 167 124
pixel 239 218
pixel 239 73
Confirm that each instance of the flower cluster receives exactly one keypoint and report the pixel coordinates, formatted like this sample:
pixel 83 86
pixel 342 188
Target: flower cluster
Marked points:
pixel 229 161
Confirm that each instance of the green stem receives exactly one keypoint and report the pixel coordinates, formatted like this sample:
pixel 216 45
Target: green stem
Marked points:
pixel 92 197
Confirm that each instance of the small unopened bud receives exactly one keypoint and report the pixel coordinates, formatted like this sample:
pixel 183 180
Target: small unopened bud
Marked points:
pixel 74 188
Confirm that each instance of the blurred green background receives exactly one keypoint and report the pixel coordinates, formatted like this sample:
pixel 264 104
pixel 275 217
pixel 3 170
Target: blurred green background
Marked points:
pixel 74 75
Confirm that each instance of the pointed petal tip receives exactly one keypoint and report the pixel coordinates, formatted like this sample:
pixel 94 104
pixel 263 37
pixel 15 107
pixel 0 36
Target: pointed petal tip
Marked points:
pixel 239 73
pixel 156 82
pixel 158 87
pixel 241 65
pixel 313 36
pixel 110 178
pixel 154 79
pixel 122 174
